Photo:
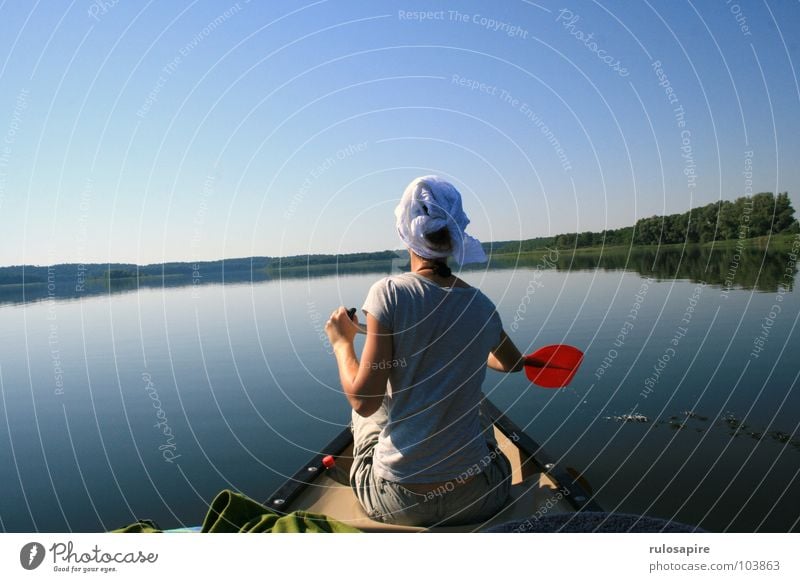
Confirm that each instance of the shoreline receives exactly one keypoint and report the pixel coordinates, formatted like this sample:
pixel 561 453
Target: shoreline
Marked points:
pixel 778 242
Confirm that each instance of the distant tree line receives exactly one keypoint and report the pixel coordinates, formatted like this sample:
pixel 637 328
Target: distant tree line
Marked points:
pixel 77 274
pixel 745 217
pixel 308 260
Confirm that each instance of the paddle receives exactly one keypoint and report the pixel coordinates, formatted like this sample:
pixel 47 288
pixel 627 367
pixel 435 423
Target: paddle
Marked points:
pixel 553 366
pixel 549 367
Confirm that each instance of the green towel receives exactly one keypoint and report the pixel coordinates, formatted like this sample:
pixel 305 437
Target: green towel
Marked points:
pixel 233 512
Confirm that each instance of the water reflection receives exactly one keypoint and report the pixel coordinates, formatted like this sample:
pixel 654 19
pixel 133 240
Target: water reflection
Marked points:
pixel 761 270
pixel 757 269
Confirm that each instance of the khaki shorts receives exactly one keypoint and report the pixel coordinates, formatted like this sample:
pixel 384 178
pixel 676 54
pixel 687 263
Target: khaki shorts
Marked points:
pixel 452 503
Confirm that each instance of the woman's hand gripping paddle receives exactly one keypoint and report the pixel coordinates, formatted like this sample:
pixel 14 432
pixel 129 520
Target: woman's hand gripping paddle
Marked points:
pixel 549 367
pixel 553 366
pixel 361 327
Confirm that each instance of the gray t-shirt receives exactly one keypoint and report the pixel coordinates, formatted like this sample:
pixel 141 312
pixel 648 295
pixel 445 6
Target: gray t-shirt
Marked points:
pixel 441 339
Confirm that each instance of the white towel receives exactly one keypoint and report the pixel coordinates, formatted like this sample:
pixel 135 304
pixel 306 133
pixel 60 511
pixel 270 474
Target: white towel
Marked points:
pixel 429 204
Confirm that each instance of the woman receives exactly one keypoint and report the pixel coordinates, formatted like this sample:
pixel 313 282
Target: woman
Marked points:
pixel 422 456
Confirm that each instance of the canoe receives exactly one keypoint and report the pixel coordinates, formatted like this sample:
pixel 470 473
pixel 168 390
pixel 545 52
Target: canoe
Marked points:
pixel 539 485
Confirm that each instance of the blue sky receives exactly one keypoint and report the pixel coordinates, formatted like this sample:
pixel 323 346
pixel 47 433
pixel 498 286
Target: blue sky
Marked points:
pixel 149 132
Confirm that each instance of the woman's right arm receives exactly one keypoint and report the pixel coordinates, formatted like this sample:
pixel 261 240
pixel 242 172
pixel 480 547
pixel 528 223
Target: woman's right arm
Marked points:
pixel 506 357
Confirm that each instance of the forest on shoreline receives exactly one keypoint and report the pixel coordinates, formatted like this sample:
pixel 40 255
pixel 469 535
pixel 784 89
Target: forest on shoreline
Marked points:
pixel 744 218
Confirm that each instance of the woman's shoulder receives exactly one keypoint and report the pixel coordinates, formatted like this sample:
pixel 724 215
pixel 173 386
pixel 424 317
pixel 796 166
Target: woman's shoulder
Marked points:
pixel 478 296
pixel 389 285
pixel 397 280
pixel 390 281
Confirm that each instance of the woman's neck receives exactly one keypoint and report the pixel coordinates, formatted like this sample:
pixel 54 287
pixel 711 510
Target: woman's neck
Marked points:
pixel 430 269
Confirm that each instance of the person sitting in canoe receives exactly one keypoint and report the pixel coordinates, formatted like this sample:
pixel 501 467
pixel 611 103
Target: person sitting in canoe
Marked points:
pixel 421 453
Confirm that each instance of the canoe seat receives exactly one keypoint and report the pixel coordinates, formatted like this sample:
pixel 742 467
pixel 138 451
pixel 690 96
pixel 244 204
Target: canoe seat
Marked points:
pixel 330 498
pixel 532 494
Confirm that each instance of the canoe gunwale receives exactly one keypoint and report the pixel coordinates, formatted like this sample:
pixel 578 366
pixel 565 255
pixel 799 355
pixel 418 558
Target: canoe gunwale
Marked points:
pixel 572 491
pixel 286 494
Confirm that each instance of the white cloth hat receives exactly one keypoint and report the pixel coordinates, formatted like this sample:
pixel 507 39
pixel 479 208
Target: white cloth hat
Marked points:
pixel 430 204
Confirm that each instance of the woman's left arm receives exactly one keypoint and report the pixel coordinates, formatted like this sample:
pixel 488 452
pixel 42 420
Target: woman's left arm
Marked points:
pixel 506 357
pixel 364 383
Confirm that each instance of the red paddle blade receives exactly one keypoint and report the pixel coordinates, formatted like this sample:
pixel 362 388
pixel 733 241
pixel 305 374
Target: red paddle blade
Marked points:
pixel 553 366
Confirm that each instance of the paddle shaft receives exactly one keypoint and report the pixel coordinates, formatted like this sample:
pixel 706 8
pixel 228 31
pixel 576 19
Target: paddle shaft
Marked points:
pixel 537 363
pixel 361 327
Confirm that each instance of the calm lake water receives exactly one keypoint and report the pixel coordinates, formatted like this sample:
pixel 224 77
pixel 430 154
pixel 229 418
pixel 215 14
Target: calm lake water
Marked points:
pixel 240 376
